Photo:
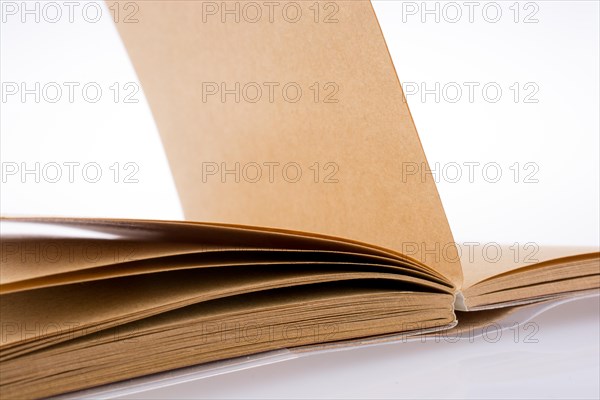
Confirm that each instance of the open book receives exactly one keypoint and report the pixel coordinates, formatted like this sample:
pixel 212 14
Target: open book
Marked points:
pixel 290 139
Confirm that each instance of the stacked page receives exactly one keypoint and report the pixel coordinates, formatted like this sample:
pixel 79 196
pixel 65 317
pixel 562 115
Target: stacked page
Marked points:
pixel 288 139
pixel 99 301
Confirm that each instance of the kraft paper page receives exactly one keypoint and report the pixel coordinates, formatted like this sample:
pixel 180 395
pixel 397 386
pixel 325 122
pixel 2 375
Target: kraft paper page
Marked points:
pixel 479 265
pixel 295 123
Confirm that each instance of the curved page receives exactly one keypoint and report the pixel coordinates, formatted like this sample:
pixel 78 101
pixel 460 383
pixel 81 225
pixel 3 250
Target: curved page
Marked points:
pixel 288 116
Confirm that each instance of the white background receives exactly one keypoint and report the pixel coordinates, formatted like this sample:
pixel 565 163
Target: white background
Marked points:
pixel 559 134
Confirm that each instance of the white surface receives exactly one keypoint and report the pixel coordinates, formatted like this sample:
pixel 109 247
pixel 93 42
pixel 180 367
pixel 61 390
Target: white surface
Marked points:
pixel 559 134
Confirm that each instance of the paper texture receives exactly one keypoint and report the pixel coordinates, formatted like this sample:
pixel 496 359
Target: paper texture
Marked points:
pixel 481 265
pixel 333 162
pixel 512 275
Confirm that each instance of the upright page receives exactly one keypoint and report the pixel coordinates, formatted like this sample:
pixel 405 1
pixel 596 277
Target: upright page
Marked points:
pixel 288 116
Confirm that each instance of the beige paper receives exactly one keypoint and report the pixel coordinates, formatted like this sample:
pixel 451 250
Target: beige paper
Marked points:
pixel 333 162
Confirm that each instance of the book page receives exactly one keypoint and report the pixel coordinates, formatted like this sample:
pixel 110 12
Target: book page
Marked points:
pixel 287 116
pixel 140 246
pixel 479 265
pixel 226 328
pixel 513 275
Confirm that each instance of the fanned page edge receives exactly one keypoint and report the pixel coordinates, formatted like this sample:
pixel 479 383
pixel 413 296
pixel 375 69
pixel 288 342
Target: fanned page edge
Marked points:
pixel 153 229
